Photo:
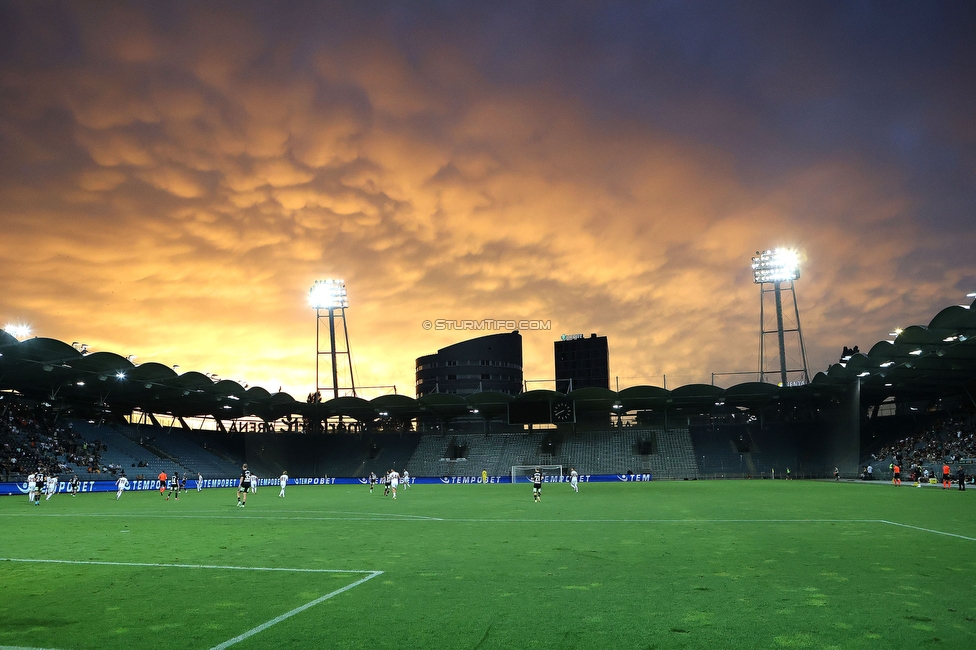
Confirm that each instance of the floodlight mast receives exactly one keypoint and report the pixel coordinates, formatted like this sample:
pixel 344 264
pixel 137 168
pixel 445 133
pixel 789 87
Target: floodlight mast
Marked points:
pixel 330 296
pixel 777 267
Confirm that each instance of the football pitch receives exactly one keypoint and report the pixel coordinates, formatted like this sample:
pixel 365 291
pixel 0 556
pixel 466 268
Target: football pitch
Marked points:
pixel 700 564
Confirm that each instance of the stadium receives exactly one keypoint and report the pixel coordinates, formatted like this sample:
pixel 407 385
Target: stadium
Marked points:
pixel 555 433
pixel 463 539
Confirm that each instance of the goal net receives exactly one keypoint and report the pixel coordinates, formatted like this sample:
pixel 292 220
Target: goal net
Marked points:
pixel 523 473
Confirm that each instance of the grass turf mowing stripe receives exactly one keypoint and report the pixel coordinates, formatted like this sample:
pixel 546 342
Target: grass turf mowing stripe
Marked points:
pixel 420 518
pixel 297 610
pixel 488 520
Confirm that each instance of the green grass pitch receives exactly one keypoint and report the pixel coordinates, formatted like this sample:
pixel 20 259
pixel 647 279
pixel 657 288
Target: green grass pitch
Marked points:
pixel 706 564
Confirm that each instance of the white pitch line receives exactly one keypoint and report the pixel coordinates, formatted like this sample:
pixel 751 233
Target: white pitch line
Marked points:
pixel 17 647
pixel 667 521
pixel 927 530
pixel 135 515
pixel 297 610
pixel 184 566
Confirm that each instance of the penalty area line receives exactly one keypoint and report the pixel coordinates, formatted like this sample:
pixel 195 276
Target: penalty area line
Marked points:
pixel 184 566
pixel 297 610
pixel 927 530
pixel 236 639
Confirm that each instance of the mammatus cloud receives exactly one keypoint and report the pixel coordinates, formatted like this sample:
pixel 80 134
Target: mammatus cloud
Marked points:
pixel 205 174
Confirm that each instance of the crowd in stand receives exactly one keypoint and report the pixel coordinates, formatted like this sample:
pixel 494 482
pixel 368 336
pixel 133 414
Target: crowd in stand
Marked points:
pixel 30 439
pixel 950 441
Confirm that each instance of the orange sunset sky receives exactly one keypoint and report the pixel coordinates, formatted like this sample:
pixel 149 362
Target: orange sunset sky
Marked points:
pixel 175 175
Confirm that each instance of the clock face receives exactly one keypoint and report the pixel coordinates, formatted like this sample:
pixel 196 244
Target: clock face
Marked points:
pixel 562 412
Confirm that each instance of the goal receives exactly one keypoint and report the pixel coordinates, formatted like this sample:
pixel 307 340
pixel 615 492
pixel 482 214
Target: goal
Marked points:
pixel 523 473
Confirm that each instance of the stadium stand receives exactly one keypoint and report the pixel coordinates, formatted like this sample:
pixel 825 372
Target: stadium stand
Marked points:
pixel 121 452
pixel 179 448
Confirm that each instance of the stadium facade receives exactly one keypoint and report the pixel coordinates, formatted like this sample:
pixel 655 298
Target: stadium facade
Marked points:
pixel 490 363
pixel 581 362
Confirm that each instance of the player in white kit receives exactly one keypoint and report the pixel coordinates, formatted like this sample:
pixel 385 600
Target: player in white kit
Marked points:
pixel 574 478
pixel 406 479
pixel 283 481
pixel 31 486
pixel 122 484
pixel 394 481
pixel 52 487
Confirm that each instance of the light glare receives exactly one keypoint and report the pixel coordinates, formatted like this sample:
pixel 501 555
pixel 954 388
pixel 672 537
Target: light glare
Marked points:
pixel 780 265
pixel 328 294
pixel 19 332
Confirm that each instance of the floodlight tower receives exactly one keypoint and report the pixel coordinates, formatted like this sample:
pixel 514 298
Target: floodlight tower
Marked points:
pixel 778 268
pixel 329 296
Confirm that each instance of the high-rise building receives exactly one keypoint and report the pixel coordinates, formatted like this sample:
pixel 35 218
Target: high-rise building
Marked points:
pixel 487 363
pixel 582 362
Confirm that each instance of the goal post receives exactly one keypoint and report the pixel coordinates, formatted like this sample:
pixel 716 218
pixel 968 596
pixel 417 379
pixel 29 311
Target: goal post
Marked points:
pixel 523 473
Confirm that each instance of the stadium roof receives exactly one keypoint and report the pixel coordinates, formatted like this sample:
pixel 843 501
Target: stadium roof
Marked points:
pixel 921 363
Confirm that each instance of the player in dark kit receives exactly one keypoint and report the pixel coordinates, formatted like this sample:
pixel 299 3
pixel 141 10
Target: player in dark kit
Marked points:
pixel 386 483
pixel 243 485
pixel 537 485
pixel 372 481
pixel 174 486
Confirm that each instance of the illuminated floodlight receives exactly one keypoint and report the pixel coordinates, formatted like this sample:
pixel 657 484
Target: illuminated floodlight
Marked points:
pixel 19 332
pixel 120 375
pixel 863 374
pixel 887 364
pixel 916 352
pixel 328 294
pixel 779 268
pixel 780 265
pixel 971 295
